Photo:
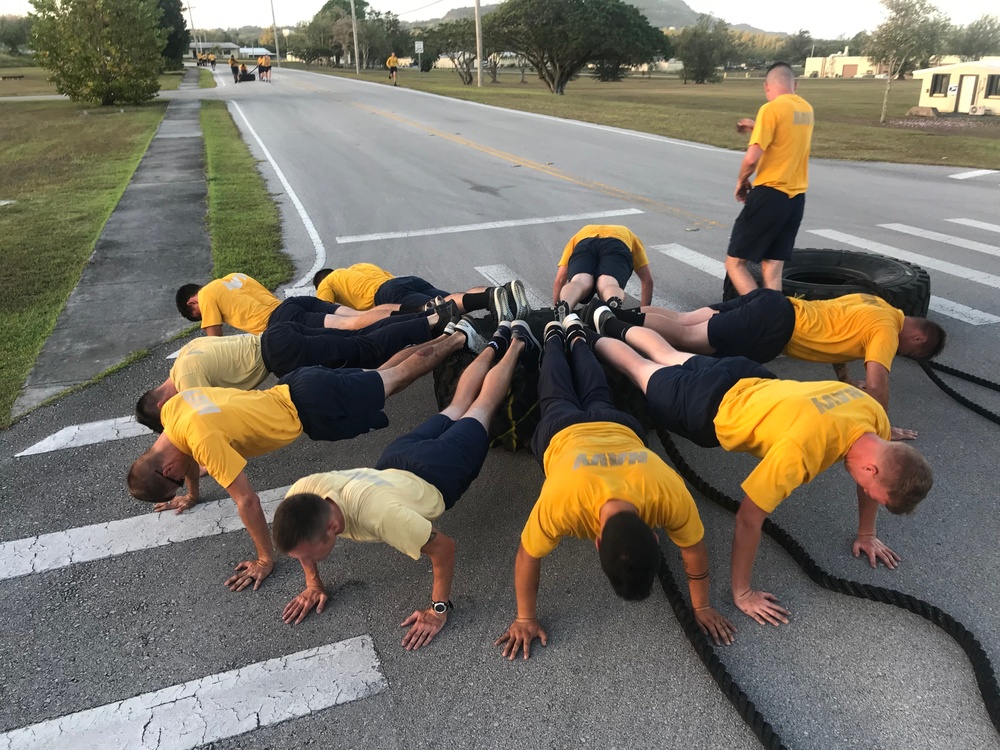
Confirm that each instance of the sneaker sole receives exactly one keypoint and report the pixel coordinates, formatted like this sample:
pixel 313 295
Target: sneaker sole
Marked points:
pixel 520 297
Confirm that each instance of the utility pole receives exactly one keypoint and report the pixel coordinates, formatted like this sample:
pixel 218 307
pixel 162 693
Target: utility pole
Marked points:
pixel 274 28
pixel 479 47
pixel 354 26
pixel 193 33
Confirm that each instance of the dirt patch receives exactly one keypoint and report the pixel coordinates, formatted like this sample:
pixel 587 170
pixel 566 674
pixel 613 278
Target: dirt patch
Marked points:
pixel 985 126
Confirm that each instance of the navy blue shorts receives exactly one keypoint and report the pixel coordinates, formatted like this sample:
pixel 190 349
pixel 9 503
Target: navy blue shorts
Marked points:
pixel 442 452
pixel 685 398
pixel 757 326
pixel 767 225
pixel 407 290
pixel 601 256
pixel 308 311
pixel 337 404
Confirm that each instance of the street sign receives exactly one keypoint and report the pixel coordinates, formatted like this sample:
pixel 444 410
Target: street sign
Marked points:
pixel 418 47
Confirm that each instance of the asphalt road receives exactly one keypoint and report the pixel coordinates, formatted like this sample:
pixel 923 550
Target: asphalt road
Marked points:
pixel 365 159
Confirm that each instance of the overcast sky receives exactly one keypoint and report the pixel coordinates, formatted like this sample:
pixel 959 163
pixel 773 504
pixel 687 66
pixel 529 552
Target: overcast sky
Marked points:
pixel 825 20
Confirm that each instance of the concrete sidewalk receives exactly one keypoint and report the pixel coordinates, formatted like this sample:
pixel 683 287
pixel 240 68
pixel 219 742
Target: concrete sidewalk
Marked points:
pixel 154 241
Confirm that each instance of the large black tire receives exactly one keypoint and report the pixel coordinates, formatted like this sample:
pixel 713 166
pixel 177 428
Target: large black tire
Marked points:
pixel 516 420
pixel 826 274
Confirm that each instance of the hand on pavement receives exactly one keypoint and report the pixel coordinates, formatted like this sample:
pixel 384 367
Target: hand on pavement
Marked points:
pixel 715 626
pixel 424 624
pixel 247 572
pixel 900 433
pixel 762 606
pixel 297 609
pixel 519 637
pixel 873 547
pixel 180 503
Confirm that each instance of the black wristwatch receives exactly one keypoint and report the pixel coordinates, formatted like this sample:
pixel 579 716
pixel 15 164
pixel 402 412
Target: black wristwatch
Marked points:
pixel 442 607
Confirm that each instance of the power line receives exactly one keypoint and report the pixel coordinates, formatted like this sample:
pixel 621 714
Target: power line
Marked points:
pixel 422 7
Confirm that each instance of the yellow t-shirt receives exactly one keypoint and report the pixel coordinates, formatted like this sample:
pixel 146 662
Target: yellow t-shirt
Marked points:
pixel 392 62
pixel 232 62
pixel 798 430
pixel 617 231
pixel 238 300
pixel 219 362
pixel 220 427
pixel 391 506
pixel 588 464
pixel 784 130
pixel 260 61
pixel 844 329
pixel 354 286
pixel 267 61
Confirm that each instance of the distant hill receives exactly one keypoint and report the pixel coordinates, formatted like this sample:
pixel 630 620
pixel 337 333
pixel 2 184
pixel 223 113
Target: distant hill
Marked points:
pixel 661 13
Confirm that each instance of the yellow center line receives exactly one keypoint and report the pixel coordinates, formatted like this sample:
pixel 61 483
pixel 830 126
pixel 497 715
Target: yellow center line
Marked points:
pixel 600 187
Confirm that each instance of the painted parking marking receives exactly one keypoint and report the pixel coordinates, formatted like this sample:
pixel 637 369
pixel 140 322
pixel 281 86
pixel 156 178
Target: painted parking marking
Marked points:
pixel 98 541
pixel 980 247
pixel 348 239
pixel 87 433
pixel 973 173
pixel 976 224
pixel 952 269
pixel 213 708
pixel 694 259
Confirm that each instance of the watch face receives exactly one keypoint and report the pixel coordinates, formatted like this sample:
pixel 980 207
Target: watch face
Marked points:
pixel 440 607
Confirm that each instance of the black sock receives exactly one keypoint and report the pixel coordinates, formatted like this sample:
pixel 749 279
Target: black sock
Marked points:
pixel 615 328
pixel 592 337
pixel 633 316
pixel 410 308
pixel 475 301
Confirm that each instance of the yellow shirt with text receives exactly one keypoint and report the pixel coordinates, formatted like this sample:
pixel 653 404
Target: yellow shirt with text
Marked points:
pixel 238 300
pixel 391 506
pixel 784 128
pixel 221 427
pixel 798 430
pixel 588 464
pixel 616 231
pixel 855 326
pixel 219 362
pixel 354 286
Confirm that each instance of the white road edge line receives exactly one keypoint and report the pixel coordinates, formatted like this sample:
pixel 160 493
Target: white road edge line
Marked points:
pixel 318 245
pixel 348 239
pixel 87 433
pixel 213 708
pixel 953 269
pixel 973 173
pixel 976 224
pixel 98 541
pixel 980 247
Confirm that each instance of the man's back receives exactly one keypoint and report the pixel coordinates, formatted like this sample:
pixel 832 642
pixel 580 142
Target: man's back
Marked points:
pixel 354 286
pixel 238 300
pixel 220 362
pixel 783 129
pixel 844 329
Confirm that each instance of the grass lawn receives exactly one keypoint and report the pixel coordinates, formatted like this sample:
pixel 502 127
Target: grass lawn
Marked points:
pixel 35 82
pixel 243 218
pixel 847 112
pixel 205 78
pixel 65 166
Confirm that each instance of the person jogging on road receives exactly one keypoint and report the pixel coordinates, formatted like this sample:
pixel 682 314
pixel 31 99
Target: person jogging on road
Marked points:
pixel 393 65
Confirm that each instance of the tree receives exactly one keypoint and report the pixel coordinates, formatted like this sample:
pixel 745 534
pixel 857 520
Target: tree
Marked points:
pixel 14 33
pixel 559 37
pixel 704 47
pixel 796 48
pixel 105 51
pixel 456 40
pixel 266 38
pixel 178 36
pixel 629 40
pixel 978 39
pixel 360 7
pixel 908 38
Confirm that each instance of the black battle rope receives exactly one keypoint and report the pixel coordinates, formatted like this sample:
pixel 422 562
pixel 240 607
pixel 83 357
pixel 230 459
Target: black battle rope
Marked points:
pixel 929 367
pixel 703 647
pixel 981 666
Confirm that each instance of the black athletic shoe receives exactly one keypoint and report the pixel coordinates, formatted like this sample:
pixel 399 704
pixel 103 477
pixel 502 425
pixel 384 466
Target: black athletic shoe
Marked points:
pixel 615 303
pixel 522 330
pixel 501 338
pixel 473 341
pixel 587 315
pixel 430 304
pixel 574 328
pixel 601 316
pixel 500 304
pixel 520 299
pixel 562 310
pixel 445 316
pixel 554 329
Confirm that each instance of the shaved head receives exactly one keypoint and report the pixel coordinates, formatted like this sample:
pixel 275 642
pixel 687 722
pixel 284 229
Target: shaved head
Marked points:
pixel 780 80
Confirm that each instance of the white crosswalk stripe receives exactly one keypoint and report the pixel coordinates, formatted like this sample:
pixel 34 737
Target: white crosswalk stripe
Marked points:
pixel 975 224
pixel 966 314
pixel 953 269
pixel 500 274
pixel 88 433
pixel 60 549
pixel 973 173
pixel 694 259
pixel 196 713
pixel 947 239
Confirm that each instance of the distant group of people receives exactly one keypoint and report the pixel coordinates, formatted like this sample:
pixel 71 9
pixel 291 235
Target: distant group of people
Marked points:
pixel 367 334
pixel 205 60
pixel 240 72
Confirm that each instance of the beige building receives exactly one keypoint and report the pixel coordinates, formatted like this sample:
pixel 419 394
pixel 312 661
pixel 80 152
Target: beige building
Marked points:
pixel 843 65
pixel 965 87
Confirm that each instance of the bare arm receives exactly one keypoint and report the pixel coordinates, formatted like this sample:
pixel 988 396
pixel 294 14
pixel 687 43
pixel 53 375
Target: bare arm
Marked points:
pixel 248 505
pixel 711 622
pixel 562 276
pixel 877 383
pixel 747 167
pixel 213 330
pixel 646 279
pixel 867 542
pixel 524 629
pixel 424 624
pixel 760 605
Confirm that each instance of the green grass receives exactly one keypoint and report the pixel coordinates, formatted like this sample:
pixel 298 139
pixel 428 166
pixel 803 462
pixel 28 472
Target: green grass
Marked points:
pixel 243 218
pixel 65 166
pixel 205 78
pixel 847 112
pixel 35 82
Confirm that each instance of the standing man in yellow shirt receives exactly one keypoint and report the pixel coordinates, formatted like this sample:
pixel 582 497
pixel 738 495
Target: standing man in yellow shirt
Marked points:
pixel 603 484
pixel 234 67
pixel 266 67
pixel 218 428
pixel 798 430
pixel 601 257
pixel 392 64
pixel 211 60
pixel 419 476
pixel 765 230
